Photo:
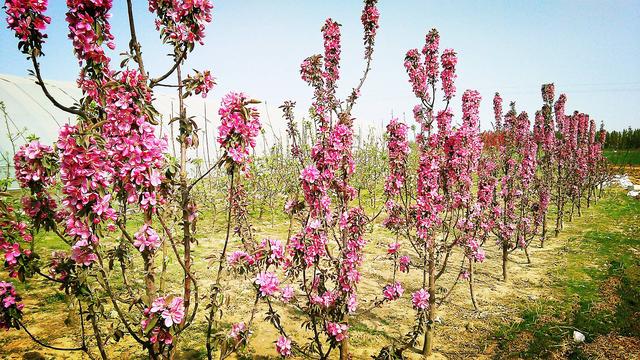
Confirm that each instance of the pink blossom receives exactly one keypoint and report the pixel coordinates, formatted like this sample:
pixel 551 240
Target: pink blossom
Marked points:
pixel 398 148
pixel 310 174
pixel 337 331
pixel 352 303
pixel 10 306
pixel 497 111
pixel 238 331
pixel 85 18
pixel 369 19
pixel 420 299
pixel 82 253
pixel 239 126
pixel 287 293
pixel 240 258
pixel 168 311
pixel 404 263
pixel 181 21
pixel 147 239
pixel 268 283
pixel 548 93
pixel 201 82
pixel 27 20
pixel 283 346
pixel 393 248
pixel 331 35
pixel 393 291
pixel 448 74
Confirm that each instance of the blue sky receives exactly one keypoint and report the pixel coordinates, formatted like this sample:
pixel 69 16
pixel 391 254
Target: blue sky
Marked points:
pixel 590 49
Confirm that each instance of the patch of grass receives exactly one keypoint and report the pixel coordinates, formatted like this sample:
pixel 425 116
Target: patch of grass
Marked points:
pixel 593 259
pixel 54 298
pixel 623 157
pixel 360 327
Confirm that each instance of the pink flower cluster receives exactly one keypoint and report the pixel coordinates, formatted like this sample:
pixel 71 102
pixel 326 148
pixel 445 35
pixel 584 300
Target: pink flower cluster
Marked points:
pixel 160 317
pixel 331 35
pixel 134 151
pixel 33 163
pixel 82 252
pixel 240 261
pixel 267 283
pixel 430 52
pixel 417 74
pixel 393 248
pixel 429 200
pixel 146 239
pixel 337 331
pixel 126 159
pixel 287 293
pixel 283 346
pixel 27 20
pixel 14 232
pixel 10 306
pixel 353 222
pixel 423 73
pixel 497 110
pixel 89 28
pixel 85 171
pixel 200 83
pixel 398 149
pixel 420 299
pixel 239 332
pixel 35 167
pixel 239 126
pixel 369 19
pixel 548 93
pixel 61 266
pixel 404 262
pixel 308 247
pixel 448 75
pixel 181 21
pixel 393 291
pixel 272 250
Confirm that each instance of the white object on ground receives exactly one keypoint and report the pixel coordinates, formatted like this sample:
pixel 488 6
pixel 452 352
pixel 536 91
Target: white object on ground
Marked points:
pixel 578 336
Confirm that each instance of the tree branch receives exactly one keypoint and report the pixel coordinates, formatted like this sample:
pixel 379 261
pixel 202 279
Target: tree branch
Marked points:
pixel 36 68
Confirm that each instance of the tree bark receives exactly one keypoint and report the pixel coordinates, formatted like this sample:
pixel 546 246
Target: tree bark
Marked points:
pixel 471 280
pixel 427 349
pixel 505 255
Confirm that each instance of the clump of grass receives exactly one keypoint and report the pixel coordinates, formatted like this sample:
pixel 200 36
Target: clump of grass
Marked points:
pixel 54 298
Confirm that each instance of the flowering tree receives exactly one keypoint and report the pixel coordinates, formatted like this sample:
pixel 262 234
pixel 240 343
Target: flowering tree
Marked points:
pixel 446 214
pixel 545 137
pixel 322 258
pixel 516 156
pixel 109 166
pixel 576 162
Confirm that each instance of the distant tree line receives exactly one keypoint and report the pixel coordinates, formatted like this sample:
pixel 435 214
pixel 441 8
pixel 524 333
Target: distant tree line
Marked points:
pixel 626 139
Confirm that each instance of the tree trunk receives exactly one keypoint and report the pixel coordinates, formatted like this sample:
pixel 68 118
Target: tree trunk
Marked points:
pixel 184 203
pixel 544 231
pixel 344 345
pixel 471 279
pixel 505 255
pixel 427 349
